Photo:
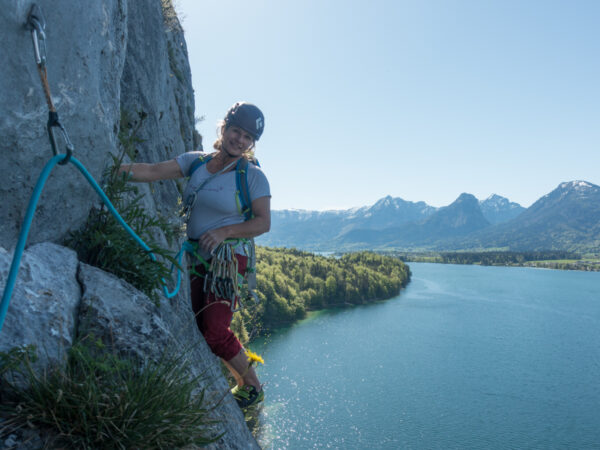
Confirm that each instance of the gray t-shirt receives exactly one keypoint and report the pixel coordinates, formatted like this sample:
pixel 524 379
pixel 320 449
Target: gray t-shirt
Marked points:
pixel 216 203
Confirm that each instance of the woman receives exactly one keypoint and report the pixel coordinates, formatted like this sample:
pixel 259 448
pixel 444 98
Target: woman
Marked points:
pixel 217 225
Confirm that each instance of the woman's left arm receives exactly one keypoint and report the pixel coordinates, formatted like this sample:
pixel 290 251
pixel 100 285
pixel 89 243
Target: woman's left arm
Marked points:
pixel 259 224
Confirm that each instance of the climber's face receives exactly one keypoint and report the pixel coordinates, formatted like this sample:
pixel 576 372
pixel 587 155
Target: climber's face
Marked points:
pixel 236 141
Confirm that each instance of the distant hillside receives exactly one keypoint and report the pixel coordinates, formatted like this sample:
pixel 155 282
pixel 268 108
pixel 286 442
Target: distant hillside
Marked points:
pixel 308 229
pixel 497 209
pixel 303 229
pixel 460 218
pixel 389 212
pixel 568 218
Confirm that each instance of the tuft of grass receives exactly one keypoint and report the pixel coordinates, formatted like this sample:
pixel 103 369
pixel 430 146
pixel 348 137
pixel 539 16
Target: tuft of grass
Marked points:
pixel 102 401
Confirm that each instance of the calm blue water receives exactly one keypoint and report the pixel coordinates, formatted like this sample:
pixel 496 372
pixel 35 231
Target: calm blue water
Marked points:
pixel 467 357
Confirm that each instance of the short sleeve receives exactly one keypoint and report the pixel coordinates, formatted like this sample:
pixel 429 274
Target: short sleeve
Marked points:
pixel 258 185
pixel 185 161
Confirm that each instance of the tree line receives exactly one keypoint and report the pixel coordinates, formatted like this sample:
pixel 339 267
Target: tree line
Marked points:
pixel 487 258
pixel 292 282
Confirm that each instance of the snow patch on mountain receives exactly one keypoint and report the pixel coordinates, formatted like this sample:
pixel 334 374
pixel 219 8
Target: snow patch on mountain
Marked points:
pixel 578 185
pixel 498 209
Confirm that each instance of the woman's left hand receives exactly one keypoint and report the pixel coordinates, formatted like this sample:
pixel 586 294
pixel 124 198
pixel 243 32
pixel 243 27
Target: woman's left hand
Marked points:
pixel 259 224
pixel 210 240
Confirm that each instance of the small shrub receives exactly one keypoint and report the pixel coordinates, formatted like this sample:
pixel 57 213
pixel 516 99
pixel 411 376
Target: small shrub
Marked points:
pixel 102 242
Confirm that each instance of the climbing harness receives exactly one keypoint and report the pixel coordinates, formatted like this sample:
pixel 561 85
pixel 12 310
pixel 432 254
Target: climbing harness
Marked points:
pixel 222 276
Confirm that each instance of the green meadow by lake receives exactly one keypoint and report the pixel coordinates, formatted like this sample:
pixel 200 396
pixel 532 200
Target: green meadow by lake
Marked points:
pixel 466 357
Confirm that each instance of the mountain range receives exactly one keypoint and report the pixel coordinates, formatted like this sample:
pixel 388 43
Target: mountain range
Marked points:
pixel 568 218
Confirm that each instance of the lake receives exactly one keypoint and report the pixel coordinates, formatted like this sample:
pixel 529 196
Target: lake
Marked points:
pixel 466 357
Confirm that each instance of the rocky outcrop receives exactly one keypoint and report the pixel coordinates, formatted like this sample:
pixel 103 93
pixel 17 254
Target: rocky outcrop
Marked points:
pixel 57 300
pixel 44 307
pixel 103 58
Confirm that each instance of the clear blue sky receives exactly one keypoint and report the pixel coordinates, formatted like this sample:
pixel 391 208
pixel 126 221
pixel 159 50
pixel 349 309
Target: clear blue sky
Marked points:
pixel 419 99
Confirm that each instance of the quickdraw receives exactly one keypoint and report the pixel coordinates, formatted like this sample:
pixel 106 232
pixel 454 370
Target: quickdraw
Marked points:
pixel 37 25
pixel 221 275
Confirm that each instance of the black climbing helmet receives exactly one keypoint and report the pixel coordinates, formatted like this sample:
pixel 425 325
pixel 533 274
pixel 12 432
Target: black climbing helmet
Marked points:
pixel 248 117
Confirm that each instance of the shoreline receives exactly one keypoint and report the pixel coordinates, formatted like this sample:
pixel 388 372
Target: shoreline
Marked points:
pixel 581 266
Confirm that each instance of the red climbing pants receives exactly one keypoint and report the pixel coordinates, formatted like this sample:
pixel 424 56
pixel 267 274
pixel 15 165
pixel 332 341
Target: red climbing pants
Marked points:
pixel 213 317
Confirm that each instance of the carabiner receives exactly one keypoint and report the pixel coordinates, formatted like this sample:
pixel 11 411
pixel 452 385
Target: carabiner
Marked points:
pixel 240 305
pixel 54 123
pixel 189 205
pixel 37 24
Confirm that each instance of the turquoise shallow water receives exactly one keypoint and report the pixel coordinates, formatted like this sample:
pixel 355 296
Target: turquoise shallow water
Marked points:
pixel 465 357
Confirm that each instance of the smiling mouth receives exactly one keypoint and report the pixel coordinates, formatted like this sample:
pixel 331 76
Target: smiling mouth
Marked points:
pixel 234 149
pixel 236 146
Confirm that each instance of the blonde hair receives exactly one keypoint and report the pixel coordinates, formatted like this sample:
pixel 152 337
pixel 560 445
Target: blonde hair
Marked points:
pixel 218 144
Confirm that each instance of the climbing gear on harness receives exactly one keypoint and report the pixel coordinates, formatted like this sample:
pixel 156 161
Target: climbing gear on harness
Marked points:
pixel 191 199
pixel 37 24
pixel 222 276
pixel 248 117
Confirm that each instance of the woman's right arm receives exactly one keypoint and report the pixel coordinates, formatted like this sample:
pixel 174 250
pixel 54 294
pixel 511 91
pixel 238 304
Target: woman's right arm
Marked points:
pixel 145 172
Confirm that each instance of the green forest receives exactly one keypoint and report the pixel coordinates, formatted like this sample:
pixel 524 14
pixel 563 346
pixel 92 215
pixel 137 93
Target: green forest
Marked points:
pixel 292 282
pixel 551 259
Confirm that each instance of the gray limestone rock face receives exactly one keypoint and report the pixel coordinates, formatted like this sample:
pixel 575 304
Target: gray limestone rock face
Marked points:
pixel 157 83
pixel 85 46
pixel 121 316
pixel 45 302
pixel 130 324
pixel 103 58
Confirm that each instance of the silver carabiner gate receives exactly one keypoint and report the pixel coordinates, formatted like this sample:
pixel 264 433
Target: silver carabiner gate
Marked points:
pixel 189 206
pixel 54 123
pixel 37 23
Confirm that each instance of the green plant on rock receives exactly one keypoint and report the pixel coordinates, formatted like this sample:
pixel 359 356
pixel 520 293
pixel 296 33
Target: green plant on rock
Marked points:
pixel 102 401
pixel 102 242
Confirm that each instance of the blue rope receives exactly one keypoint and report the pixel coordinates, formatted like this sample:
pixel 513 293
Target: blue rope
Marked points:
pixel 35 196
